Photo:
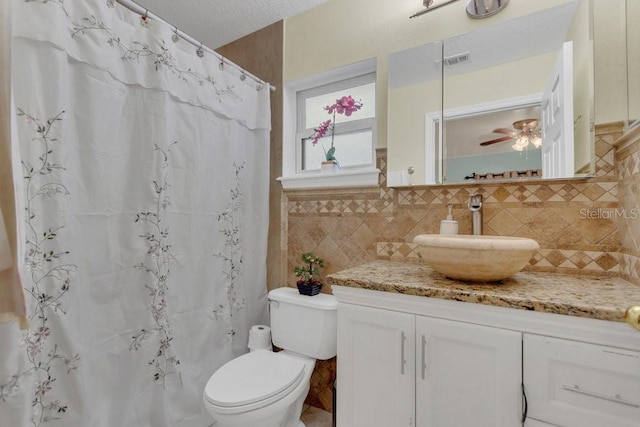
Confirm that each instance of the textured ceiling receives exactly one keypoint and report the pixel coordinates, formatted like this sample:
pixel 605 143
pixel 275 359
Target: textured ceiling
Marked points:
pixel 218 22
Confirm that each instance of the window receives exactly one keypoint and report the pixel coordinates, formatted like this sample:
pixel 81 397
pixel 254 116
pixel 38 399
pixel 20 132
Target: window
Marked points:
pixel 354 136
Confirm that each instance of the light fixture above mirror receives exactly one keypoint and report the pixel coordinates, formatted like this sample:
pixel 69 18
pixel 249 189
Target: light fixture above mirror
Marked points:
pixel 430 5
pixel 478 9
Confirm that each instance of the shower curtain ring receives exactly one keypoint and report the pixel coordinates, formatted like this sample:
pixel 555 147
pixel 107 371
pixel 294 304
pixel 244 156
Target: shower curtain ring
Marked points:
pixel 175 37
pixel 200 51
pixel 144 19
pixel 221 66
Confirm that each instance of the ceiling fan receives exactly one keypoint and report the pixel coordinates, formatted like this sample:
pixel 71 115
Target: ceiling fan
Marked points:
pixel 524 132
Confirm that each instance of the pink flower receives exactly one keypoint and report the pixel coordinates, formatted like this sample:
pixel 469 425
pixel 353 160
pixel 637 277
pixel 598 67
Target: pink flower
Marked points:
pixel 320 131
pixel 345 105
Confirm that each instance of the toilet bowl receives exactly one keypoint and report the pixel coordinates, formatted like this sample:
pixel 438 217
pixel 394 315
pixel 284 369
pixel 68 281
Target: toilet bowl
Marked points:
pixel 260 388
pixel 265 388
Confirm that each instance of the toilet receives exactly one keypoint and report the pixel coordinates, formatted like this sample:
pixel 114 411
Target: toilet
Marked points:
pixel 265 388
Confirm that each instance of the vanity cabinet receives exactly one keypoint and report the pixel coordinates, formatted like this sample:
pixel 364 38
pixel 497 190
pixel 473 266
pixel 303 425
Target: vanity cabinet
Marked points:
pixel 398 369
pixel 416 361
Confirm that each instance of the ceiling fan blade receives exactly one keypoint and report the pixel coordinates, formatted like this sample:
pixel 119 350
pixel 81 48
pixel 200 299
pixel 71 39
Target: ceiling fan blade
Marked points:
pixel 503 130
pixel 495 141
pixel 533 123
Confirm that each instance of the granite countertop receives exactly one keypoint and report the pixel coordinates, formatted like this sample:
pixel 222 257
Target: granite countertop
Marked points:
pixel 604 298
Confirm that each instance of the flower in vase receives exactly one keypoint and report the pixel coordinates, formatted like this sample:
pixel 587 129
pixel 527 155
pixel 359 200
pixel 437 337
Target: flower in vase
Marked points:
pixel 345 105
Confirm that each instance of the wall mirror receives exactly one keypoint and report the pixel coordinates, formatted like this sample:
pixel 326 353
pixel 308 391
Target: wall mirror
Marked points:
pixel 510 100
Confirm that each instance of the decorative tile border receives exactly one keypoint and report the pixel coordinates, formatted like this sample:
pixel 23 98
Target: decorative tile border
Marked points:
pixel 595 261
pixel 543 260
pixel 329 206
pixel 553 191
pixel 397 250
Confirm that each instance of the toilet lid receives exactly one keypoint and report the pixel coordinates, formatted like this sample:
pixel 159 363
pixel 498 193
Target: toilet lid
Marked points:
pixel 254 379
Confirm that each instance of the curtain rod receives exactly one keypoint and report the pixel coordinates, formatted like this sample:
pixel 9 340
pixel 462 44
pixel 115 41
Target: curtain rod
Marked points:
pixel 142 11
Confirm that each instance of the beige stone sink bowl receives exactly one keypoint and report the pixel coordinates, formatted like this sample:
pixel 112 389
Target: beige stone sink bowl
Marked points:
pixel 475 258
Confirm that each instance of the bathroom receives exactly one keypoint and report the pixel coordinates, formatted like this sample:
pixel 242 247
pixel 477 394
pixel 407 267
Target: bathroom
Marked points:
pixel 354 225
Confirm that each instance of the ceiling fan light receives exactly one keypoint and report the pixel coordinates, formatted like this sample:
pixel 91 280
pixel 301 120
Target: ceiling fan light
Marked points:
pixel 522 142
pixel 536 141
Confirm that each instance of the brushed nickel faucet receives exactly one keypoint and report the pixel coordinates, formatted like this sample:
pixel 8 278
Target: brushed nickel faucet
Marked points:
pixel 475 206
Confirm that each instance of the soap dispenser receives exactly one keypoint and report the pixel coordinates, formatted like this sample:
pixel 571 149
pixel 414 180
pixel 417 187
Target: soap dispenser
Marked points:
pixel 449 225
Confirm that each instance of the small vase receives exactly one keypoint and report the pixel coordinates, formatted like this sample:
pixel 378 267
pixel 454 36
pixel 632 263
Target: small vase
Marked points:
pixel 329 166
pixel 309 289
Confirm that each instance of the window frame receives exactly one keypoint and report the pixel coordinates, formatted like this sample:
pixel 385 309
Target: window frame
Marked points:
pixel 293 176
pixel 355 125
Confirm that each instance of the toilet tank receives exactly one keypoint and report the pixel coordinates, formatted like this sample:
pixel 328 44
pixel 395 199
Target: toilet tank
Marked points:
pixel 304 324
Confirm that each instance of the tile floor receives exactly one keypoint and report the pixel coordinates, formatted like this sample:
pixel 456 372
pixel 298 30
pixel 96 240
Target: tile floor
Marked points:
pixel 314 417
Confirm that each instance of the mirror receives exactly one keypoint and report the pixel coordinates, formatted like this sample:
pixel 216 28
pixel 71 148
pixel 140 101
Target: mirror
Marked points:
pixel 488 86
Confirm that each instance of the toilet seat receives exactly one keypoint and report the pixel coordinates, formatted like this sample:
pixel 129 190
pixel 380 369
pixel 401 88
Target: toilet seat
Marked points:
pixel 252 381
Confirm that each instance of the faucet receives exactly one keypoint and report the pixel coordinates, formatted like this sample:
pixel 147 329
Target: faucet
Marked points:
pixel 475 206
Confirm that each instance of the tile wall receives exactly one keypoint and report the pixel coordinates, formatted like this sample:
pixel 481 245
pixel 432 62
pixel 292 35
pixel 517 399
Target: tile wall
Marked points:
pixel 628 169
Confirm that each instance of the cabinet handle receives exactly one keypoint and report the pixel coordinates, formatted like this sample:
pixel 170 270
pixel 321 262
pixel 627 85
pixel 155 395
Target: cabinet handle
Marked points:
pixel 632 316
pixel 615 399
pixel 525 406
pixel 424 357
pixel 403 338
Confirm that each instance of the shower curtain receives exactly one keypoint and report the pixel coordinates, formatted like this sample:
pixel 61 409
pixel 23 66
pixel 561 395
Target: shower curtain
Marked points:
pixel 142 182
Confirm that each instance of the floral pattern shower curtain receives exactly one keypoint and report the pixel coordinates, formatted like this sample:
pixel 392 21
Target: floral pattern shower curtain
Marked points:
pixel 144 190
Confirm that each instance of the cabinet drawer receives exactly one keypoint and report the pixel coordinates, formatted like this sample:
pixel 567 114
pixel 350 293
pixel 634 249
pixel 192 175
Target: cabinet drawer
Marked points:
pixel 576 384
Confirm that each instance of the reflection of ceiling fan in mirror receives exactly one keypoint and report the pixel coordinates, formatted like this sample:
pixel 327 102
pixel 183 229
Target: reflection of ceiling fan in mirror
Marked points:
pixel 524 132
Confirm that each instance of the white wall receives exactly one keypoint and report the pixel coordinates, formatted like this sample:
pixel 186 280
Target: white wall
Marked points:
pixel 610 60
pixel 633 52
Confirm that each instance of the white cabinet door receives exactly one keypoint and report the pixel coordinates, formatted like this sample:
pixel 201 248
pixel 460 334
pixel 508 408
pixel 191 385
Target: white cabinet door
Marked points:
pixel 376 367
pixel 467 375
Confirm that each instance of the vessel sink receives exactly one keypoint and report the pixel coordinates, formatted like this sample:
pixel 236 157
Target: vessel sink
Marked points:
pixel 475 258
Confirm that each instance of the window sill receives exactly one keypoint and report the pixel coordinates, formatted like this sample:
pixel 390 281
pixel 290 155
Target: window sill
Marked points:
pixel 343 178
